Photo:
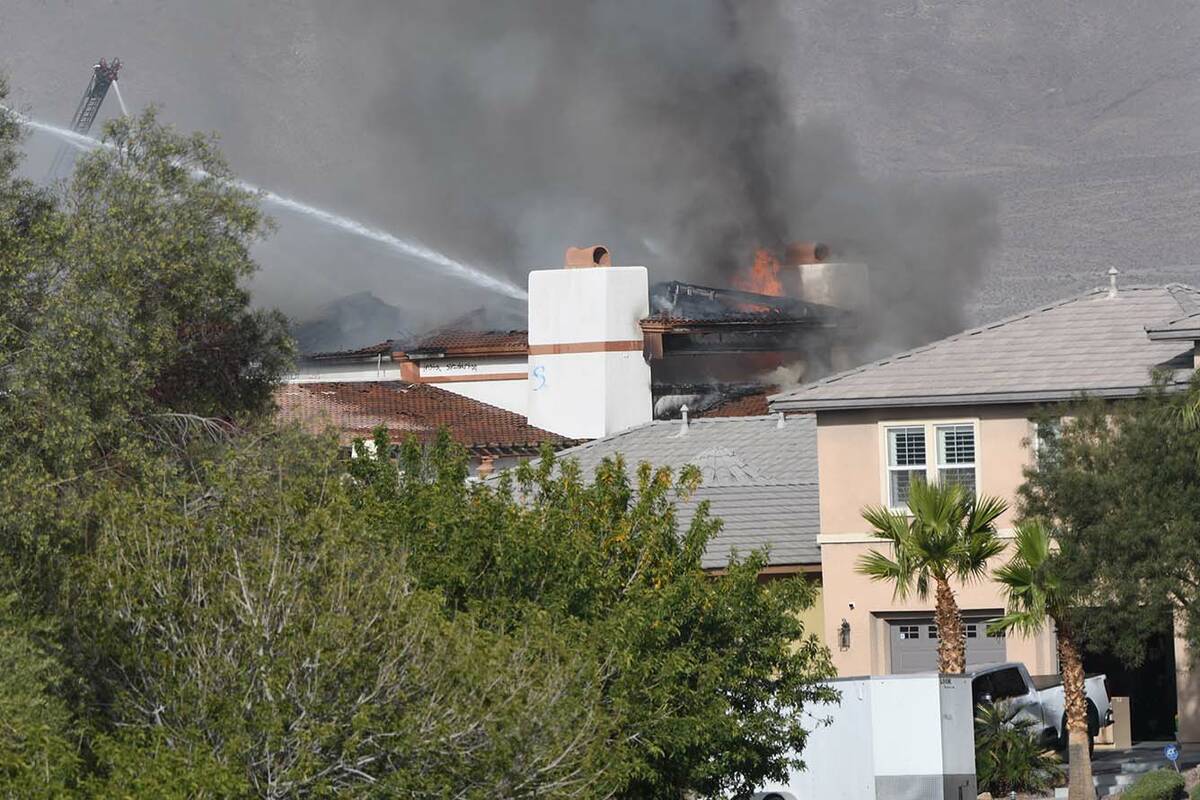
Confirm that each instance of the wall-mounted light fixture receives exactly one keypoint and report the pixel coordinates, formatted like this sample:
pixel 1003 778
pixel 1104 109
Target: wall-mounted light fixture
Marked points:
pixel 844 635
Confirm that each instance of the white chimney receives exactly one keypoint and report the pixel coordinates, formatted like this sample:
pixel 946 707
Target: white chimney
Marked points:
pixel 587 376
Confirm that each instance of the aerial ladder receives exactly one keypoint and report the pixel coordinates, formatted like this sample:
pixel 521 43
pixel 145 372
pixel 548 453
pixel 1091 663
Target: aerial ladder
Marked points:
pixel 104 75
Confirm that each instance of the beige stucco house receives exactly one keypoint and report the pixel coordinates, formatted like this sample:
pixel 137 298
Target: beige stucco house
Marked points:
pixel 960 409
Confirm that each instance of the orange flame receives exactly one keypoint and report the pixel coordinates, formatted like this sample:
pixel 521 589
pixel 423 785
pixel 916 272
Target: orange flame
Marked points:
pixel 763 277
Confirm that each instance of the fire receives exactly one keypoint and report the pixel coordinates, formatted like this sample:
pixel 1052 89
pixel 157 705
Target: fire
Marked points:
pixel 763 277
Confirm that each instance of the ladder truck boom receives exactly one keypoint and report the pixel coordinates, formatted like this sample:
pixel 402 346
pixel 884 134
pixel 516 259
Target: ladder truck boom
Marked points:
pixel 104 74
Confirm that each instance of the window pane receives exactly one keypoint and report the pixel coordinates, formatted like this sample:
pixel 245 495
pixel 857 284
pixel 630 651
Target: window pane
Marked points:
pixel 981 689
pixel 972 632
pixel 910 631
pixel 933 631
pixel 961 476
pixel 1048 432
pixel 902 481
pixel 1007 684
pixel 956 444
pixel 906 447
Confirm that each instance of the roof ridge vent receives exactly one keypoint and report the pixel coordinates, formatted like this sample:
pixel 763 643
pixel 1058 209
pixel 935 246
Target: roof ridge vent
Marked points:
pixel 1113 272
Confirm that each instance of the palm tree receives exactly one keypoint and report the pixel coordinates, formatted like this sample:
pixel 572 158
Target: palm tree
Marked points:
pixel 947 534
pixel 1036 593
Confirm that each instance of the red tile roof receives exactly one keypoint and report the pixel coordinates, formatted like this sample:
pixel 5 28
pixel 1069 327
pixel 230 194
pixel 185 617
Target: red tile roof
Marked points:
pixel 407 409
pixel 748 405
pixel 474 343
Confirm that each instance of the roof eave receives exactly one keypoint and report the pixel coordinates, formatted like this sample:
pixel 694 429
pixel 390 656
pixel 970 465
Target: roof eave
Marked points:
pixel 983 398
pixel 464 352
pixel 325 358
pixel 1173 334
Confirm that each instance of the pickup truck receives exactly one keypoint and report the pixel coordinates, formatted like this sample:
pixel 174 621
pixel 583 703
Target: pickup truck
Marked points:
pixel 1040 699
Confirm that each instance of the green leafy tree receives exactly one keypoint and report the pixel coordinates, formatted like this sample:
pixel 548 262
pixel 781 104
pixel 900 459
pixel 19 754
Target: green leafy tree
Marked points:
pixel 140 763
pixel 259 640
pixel 1037 593
pixel 124 317
pixel 709 673
pixel 947 535
pixel 1121 486
pixel 232 610
pixel 39 743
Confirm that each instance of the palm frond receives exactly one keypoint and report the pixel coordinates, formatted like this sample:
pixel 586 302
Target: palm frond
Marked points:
pixel 1033 542
pixel 983 513
pixel 887 524
pixel 1033 590
pixel 1023 622
pixel 878 567
pixel 947 533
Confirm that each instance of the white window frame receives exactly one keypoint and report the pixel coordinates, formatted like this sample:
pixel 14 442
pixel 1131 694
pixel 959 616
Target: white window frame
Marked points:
pixel 932 466
pixel 972 465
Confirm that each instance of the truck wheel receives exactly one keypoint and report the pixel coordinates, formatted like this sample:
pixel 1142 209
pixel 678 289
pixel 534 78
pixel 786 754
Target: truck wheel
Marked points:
pixel 1093 719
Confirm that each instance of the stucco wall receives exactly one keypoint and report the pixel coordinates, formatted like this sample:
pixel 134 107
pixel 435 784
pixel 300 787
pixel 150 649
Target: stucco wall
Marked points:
pixel 1187 688
pixel 353 372
pixel 813 618
pixel 874 602
pixel 587 376
pixel 850 452
pixel 498 381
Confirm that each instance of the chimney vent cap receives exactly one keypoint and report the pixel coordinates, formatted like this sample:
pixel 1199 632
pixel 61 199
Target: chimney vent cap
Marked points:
pixel 1113 272
pixel 596 255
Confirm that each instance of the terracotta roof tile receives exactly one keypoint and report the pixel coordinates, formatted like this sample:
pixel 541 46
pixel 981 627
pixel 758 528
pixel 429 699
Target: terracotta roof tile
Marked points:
pixel 406 409
pixel 466 342
pixel 748 405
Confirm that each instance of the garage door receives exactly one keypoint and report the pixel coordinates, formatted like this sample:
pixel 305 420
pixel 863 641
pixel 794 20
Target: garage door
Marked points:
pixel 914 644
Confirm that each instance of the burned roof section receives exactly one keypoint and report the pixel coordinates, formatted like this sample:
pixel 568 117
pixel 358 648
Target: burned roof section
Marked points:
pixel 381 348
pixel 688 319
pixel 678 301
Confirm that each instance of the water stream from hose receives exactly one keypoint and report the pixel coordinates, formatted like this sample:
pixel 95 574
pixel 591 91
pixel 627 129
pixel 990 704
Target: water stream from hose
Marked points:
pixel 121 100
pixel 408 247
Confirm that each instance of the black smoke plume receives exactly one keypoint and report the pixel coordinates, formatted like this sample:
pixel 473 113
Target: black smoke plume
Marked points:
pixel 662 129
pixel 502 131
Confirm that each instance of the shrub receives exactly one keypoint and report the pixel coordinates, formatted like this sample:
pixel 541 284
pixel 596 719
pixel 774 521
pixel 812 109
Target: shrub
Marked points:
pixel 1161 784
pixel 1195 793
pixel 1007 756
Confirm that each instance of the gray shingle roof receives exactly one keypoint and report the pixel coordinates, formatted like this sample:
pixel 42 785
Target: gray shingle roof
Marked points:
pixel 760 479
pixel 1183 328
pixel 1094 344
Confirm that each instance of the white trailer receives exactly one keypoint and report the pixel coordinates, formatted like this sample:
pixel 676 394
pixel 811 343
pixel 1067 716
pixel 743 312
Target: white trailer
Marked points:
pixel 892 737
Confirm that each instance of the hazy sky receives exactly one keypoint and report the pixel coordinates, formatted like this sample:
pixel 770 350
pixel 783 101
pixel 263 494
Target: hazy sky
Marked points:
pixel 993 154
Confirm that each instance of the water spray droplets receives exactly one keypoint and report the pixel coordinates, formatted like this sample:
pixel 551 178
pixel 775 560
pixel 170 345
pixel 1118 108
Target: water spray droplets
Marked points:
pixel 120 99
pixel 408 247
